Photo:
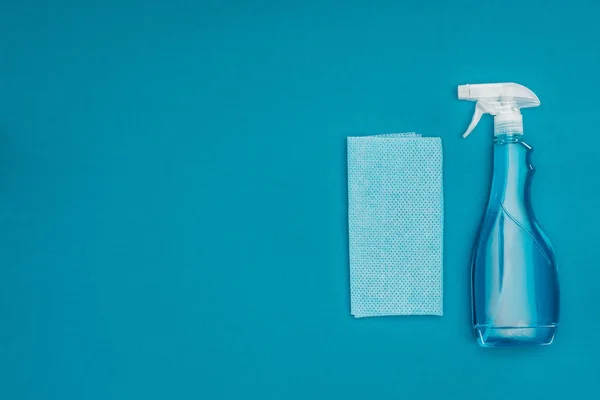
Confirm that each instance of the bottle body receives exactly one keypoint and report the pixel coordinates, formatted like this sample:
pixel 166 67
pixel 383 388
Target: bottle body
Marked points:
pixel 515 289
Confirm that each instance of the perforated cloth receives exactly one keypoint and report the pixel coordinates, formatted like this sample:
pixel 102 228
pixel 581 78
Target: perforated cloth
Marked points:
pixel 395 221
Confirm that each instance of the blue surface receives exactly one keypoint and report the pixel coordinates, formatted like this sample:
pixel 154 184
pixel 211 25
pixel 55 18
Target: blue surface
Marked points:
pixel 173 195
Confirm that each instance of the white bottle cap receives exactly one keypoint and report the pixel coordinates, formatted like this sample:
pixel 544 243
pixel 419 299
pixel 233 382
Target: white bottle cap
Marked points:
pixel 508 123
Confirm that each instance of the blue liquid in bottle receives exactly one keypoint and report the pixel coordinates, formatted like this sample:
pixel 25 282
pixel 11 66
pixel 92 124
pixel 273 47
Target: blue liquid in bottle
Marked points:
pixel 515 289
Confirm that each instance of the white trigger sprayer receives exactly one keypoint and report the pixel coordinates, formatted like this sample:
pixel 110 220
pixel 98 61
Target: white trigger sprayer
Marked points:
pixel 503 101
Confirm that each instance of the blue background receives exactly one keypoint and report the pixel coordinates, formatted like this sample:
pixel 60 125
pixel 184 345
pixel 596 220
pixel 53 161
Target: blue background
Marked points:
pixel 173 195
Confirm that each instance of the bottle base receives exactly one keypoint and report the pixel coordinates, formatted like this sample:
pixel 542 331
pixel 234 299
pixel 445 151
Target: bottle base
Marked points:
pixel 512 336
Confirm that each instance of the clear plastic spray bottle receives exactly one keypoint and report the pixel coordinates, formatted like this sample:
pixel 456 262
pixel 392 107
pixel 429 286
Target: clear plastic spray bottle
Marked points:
pixel 515 291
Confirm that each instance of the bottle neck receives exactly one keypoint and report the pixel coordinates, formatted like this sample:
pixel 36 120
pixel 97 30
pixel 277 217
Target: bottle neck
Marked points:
pixel 511 171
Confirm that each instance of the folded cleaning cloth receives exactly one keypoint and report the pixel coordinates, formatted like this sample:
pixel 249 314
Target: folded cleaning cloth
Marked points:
pixel 395 221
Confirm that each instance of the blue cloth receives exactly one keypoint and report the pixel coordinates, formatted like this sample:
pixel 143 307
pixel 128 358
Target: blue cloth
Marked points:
pixel 395 221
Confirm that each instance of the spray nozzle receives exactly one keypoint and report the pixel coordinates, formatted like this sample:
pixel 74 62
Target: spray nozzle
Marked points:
pixel 503 101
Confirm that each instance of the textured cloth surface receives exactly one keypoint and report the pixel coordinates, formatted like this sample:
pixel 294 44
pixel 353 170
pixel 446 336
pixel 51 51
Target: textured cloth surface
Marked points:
pixel 395 221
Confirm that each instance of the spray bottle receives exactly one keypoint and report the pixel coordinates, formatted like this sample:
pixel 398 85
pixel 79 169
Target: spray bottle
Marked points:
pixel 515 292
